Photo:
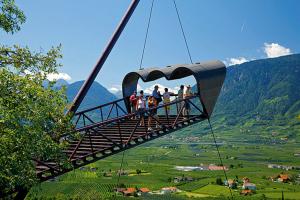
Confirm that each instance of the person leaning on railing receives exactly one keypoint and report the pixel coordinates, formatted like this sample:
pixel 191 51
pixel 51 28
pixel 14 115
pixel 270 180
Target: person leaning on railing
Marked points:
pixel 166 100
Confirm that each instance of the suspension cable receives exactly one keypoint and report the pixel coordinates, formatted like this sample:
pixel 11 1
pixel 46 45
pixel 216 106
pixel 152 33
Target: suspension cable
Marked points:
pixel 181 26
pixel 220 158
pixel 146 36
pixel 121 165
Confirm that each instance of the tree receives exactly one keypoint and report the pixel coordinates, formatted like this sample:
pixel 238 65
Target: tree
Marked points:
pixel 10 16
pixel 32 117
pixel 138 171
pixel 219 181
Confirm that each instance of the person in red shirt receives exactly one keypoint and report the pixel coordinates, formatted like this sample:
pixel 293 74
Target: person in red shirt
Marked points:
pixel 133 101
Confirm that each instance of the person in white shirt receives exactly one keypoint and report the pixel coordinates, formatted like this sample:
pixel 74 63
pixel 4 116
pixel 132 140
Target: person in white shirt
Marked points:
pixel 141 106
pixel 180 97
pixel 166 99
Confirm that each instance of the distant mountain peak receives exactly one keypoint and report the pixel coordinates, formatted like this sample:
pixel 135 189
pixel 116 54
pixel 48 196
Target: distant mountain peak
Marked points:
pixel 96 95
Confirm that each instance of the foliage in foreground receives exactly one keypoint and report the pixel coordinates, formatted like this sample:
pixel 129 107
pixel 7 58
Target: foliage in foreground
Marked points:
pixel 31 116
pixel 10 16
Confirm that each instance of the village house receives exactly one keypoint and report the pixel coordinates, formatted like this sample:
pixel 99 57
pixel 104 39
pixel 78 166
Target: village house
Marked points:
pixel 143 191
pixel 129 192
pixel 167 190
pixel 132 191
pixel 283 178
pixel 231 183
pixel 217 168
pixel 275 166
pixel 120 190
pixel 247 185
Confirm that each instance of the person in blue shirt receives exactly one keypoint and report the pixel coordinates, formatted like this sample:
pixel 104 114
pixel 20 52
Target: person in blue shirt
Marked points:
pixel 156 94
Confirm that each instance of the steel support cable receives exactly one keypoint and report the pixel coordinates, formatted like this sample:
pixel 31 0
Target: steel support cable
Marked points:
pixel 141 63
pixel 119 175
pixel 220 158
pixel 184 37
pixel 122 161
pixel 146 35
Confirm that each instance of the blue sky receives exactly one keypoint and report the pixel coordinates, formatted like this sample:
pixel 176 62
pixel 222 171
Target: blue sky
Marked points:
pixel 231 31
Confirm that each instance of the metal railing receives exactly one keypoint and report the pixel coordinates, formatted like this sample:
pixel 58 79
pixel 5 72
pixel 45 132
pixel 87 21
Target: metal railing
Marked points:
pixel 114 111
pixel 102 113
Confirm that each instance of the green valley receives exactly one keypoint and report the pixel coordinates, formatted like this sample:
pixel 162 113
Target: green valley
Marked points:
pixel 257 126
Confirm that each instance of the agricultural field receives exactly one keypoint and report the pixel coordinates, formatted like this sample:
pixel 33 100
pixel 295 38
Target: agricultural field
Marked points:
pixel 156 163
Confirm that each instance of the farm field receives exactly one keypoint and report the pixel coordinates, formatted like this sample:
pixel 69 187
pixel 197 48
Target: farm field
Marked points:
pixel 157 160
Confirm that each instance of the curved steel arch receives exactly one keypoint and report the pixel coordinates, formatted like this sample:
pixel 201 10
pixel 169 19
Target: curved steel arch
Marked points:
pixel 208 75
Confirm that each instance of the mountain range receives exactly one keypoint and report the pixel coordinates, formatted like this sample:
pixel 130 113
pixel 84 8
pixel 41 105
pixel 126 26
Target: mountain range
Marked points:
pixel 96 95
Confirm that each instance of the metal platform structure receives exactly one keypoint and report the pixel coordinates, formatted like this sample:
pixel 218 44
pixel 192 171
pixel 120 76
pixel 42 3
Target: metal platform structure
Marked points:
pixel 110 128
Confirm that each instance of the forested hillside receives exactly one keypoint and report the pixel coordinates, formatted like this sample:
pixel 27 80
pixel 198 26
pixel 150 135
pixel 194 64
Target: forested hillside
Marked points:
pixel 262 89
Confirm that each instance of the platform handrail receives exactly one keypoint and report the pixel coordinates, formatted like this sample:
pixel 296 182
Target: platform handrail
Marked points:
pixel 134 114
pixel 97 107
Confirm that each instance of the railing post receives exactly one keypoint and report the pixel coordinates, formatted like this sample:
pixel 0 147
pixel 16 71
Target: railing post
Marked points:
pixel 118 122
pixel 176 100
pixel 101 114
pixel 111 108
pixel 83 117
pixel 178 115
pixel 91 141
pixel 117 111
pixel 77 120
pixel 132 133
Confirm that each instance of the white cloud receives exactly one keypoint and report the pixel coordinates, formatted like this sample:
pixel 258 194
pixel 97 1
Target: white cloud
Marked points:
pixel 161 88
pixel 51 76
pixel 56 76
pixel 275 50
pixel 115 89
pixel 236 61
pixel 148 90
pixel 139 87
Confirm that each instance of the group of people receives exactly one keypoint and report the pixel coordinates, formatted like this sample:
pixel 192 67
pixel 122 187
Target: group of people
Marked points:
pixel 139 103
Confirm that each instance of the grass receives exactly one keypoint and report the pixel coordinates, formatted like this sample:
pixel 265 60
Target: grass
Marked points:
pixel 213 190
pixel 158 159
